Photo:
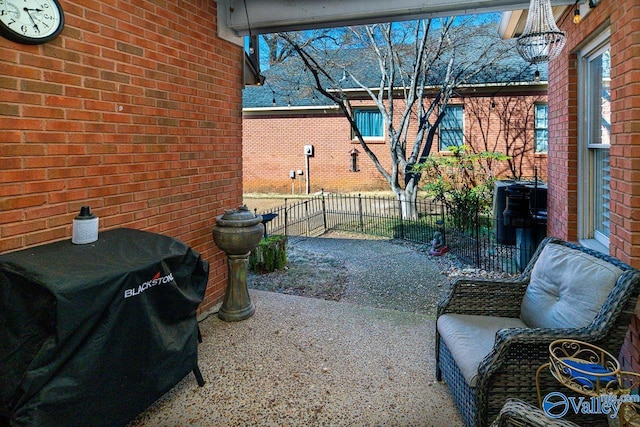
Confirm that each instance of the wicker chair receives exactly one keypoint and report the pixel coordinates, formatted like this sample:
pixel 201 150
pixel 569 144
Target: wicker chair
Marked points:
pixel 516 413
pixel 506 358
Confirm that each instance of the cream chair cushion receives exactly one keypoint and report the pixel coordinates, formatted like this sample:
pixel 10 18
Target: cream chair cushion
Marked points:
pixel 470 338
pixel 567 288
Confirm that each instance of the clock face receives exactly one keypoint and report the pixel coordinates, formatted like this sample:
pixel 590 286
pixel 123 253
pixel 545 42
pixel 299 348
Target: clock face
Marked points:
pixel 30 21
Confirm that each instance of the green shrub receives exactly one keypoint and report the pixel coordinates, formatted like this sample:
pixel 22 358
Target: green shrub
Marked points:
pixel 462 181
pixel 270 254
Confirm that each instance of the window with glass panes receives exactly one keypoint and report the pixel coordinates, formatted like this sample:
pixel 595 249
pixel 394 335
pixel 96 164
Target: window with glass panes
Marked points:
pixel 452 127
pixel 595 139
pixel 541 125
pixel 369 122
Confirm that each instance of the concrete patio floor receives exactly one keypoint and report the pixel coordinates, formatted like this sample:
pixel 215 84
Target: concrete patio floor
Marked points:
pixel 309 362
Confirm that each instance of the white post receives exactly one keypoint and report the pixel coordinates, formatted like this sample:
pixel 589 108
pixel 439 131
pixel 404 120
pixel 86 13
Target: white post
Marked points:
pixel 306 178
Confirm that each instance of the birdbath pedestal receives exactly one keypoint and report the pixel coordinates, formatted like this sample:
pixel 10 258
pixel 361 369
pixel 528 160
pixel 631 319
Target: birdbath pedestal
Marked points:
pixel 237 232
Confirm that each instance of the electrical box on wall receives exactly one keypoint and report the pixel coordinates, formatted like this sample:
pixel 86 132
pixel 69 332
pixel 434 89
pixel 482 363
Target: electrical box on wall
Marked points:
pixel 308 150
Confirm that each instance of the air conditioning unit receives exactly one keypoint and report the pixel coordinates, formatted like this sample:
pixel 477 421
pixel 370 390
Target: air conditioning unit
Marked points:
pixel 308 150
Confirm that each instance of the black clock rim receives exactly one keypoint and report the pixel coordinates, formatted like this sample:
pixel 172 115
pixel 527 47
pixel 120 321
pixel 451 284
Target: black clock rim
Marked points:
pixel 9 34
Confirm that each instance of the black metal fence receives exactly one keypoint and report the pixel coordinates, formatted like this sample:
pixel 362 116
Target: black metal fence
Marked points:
pixel 480 241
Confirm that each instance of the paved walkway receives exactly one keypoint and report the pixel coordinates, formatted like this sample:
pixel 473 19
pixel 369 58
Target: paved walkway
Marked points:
pixel 309 362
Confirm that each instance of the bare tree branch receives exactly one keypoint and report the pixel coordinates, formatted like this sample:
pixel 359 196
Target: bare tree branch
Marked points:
pixel 420 65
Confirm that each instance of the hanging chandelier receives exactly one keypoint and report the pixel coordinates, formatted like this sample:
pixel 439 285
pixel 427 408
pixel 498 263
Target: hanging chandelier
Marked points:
pixel 541 40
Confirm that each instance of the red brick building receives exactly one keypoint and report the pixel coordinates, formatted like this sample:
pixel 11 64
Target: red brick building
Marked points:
pixel 594 136
pixel 608 37
pixel 134 110
pixel 499 118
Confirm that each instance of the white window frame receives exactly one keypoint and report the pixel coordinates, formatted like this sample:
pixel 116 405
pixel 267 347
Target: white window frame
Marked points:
pixel 380 138
pixel 587 234
pixel 462 125
pixel 536 128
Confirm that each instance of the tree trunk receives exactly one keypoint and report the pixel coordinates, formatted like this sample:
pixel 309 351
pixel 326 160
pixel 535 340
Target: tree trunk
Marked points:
pixel 407 198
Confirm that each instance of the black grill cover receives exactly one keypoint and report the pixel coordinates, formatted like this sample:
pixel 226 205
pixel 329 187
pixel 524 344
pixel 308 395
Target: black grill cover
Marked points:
pixel 93 334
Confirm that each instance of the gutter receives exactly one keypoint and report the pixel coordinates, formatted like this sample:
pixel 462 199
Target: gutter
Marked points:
pixel 297 109
pixel 541 85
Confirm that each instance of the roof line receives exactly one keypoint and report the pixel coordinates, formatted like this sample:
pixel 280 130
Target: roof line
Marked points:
pixel 292 108
pixel 542 84
pixel 470 85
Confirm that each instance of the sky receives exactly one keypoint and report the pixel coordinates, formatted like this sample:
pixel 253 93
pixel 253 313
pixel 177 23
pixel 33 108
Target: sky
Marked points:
pixel 479 19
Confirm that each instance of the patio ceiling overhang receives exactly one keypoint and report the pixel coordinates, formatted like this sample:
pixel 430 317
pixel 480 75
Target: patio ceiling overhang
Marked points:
pixel 512 22
pixel 260 16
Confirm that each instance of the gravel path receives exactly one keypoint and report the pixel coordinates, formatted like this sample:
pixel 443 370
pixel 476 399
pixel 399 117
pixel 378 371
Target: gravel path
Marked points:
pixel 363 270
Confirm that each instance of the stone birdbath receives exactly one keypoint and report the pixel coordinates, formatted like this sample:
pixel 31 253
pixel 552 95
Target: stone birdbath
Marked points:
pixel 237 232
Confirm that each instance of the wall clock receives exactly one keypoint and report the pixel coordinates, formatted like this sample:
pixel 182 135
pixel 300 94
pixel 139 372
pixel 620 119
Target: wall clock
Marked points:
pixel 31 21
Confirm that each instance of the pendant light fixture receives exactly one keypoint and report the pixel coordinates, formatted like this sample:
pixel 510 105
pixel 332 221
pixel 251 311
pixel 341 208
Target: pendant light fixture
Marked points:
pixel 577 19
pixel 541 40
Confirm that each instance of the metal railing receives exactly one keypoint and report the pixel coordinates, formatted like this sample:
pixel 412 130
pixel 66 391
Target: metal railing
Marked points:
pixel 473 239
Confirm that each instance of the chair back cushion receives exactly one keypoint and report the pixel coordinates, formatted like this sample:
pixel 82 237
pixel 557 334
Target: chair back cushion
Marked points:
pixel 567 288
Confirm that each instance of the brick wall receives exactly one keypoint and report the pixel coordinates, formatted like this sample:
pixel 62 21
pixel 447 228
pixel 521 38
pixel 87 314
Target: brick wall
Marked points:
pixel 562 193
pixel 630 355
pixel 135 110
pixel 623 19
pixel 273 145
pixel 625 129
